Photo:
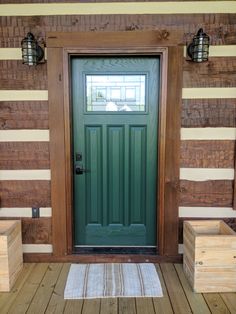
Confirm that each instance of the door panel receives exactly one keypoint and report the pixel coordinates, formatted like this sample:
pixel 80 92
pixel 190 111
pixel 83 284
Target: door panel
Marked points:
pixel 115 114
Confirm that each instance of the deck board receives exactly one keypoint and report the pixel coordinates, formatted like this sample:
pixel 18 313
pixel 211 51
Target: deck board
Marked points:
pixel 7 299
pixel 162 305
pixel 216 303
pixel 127 306
pixel 40 289
pixel 177 296
pixel 57 302
pixel 43 294
pixel 73 306
pixel 196 300
pixel 26 294
pixel 109 306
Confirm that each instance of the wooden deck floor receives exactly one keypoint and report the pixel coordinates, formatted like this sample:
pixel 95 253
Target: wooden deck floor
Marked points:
pixel 39 289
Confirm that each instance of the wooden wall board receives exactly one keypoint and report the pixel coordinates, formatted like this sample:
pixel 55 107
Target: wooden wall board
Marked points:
pixel 218 193
pixel 217 72
pixel 25 193
pixel 207 154
pixel 172 146
pixel 15 75
pixel 24 155
pixel 57 151
pixel 208 113
pixel 221 27
pixel 231 222
pixel 24 115
pixel 35 230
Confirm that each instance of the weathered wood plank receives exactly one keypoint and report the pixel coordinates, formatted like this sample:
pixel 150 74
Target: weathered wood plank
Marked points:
pixel 15 75
pixel 45 290
pixel 35 230
pixel 26 294
pixel 25 193
pixel 230 301
pixel 218 193
pixel 24 155
pixel 217 72
pixel 145 306
pixel 57 302
pixel 175 291
pixel 73 306
pixel 91 306
pixel 231 222
pixel 220 27
pixel 196 300
pixel 215 303
pixel 7 299
pixel 162 305
pixel 127 306
pixel 24 115
pixel 207 154
pixel 109 306
pixel 208 113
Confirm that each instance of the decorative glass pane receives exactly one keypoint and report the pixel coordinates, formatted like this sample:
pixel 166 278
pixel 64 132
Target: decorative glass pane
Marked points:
pixel 115 92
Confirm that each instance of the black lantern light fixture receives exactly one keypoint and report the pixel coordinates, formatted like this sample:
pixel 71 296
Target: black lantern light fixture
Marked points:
pixel 198 49
pixel 32 53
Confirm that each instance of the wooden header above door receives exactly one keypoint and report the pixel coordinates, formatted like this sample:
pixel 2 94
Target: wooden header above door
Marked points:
pixel 109 40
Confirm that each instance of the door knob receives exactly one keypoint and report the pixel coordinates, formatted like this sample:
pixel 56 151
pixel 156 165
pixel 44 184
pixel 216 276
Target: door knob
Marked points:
pixel 79 169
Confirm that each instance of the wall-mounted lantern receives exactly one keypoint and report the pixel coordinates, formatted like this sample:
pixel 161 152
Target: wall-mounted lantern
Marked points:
pixel 198 49
pixel 32 53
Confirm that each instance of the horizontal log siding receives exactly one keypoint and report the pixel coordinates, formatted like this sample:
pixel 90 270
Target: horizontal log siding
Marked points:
pixel 178 27
pixel 24 155
pixel 24 115
pixel 207 154
pixel 25 193
pixel 208 113
pixel 14 73
pixel 217 72
pixel 218 193
pixel 35 230
pixel 196 113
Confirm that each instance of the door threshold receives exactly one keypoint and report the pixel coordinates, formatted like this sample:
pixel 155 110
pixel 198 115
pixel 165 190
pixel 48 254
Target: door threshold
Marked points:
pixel 145 250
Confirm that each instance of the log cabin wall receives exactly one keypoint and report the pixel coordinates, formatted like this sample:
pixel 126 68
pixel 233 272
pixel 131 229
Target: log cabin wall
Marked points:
pixel 208 120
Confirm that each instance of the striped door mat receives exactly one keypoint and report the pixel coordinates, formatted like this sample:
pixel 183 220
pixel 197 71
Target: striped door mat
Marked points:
pixel 87 281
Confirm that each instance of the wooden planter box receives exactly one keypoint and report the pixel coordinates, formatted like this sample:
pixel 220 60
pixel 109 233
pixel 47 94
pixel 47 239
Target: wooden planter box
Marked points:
pixel 210 256
pixel 11 257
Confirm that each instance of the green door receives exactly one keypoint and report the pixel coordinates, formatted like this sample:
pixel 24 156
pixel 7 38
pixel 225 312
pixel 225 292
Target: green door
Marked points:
pixel 115 116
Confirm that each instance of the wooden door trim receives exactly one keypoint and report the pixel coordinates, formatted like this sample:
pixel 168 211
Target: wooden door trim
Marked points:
pixel 169 132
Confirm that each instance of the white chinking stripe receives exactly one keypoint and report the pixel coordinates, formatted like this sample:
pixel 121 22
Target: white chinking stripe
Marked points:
pixel 23 95
pixel 209 93
pixel 24 135
pixel 15 53
pixel 25 174
pixel 10 54
pixel 187 93
pixel 204 174
pixel 207 212
pixel 37 248
pixel 190 7
pixel 24 212
pixel 208 133
pixel 220 51
pixel 214 51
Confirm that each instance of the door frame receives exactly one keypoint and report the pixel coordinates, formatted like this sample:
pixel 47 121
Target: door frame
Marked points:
pixel 60 47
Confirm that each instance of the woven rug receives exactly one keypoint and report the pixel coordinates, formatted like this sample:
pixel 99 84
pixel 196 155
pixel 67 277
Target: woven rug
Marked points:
pixel 87 281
